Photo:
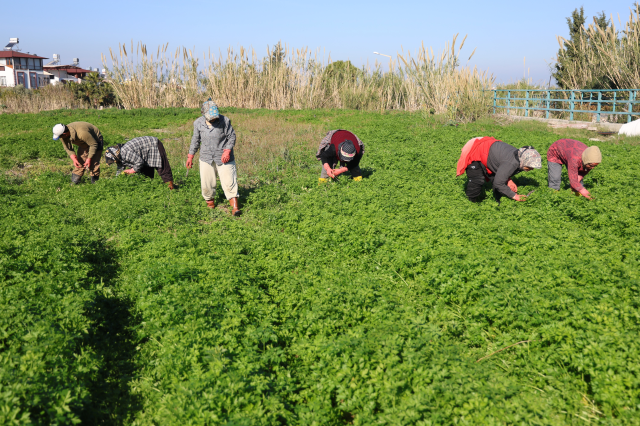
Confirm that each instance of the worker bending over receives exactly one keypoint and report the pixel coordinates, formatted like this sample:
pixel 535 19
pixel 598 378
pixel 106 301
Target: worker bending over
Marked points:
pixel 90 144
pixel 143 154
pixel 340 147
pixel 488 159
pixel 578 159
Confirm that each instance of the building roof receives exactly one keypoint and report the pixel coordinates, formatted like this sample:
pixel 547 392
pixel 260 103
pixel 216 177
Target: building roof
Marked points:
pixel 14 54
pixel 70 69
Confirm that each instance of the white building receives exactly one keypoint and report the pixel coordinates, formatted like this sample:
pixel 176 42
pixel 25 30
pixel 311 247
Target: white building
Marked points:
pixel 21 68
pixel 63 73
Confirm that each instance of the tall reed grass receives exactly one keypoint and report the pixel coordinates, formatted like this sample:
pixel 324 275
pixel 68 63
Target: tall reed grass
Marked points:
pixel 297 79
pixel 605 52
pixel 20 100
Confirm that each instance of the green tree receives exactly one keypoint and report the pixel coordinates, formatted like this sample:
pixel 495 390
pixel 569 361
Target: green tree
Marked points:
pixel 579 61
pixel 277 55
pixel 95 90
pixel 341 72
pixel 570 53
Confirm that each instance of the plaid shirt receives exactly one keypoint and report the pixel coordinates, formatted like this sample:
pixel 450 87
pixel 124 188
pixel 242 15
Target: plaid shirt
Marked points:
pixel 141 151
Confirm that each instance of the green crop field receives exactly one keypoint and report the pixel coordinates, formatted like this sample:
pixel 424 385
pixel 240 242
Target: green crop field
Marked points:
pixel 385 301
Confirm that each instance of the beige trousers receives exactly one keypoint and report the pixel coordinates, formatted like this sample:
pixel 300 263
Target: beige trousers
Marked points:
pixel 83 154
pixel 228 180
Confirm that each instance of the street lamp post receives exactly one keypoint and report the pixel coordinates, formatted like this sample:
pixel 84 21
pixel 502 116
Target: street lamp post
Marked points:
pixel 390 59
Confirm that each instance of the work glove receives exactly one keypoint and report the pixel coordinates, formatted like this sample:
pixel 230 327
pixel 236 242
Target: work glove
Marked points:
pixel 226 156
pixel 512 186
pixel 520 197
pixel 582 192
pixel 87 163
pixel 357 179
pixel 189 161
pixel 329 170
pixel 341 170
pixel 74 158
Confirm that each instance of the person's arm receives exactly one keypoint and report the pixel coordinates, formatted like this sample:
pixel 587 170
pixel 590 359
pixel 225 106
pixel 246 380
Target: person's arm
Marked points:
pixel 575 179
pixel 230 141
pixel 503 176
pixel 195 139
pixel 131 158
pixel 195 145
pixel 88 138
pixel 68 147
pixel 328 158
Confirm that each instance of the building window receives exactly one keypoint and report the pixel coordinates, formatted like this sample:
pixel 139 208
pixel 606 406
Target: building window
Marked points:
pixel 1 67
pixel 3 81
pixel 33 83
pixel 39 64
pixel 21 78
pixel 30 63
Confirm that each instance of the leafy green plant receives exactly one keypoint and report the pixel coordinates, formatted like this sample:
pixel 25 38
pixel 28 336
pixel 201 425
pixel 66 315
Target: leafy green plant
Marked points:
pixel 391 300
pixel 94 90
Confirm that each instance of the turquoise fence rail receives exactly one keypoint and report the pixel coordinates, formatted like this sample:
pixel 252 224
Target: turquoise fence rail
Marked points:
pixel 619 102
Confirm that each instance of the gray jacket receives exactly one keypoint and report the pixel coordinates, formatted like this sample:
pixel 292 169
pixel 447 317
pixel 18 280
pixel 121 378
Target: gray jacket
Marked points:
pixel 503 160
pixel 213 140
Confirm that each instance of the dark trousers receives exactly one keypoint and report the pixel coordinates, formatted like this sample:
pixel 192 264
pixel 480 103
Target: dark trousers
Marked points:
pixel 476 181
pixel 164 170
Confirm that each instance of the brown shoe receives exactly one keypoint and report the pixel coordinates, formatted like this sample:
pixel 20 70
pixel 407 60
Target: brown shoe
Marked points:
pixel 234 206
pixel 170 184
pixel 211 204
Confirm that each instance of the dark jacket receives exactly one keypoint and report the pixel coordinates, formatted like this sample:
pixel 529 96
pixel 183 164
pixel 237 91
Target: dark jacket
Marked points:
pixel 504 162
pixel 328 156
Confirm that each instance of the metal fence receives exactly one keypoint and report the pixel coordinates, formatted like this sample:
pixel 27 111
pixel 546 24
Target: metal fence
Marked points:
pixel 597 102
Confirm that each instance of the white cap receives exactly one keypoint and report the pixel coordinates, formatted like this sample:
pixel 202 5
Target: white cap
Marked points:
pixel 58 130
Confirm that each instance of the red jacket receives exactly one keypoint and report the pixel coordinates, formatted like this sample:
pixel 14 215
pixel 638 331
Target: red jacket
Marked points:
pixel 475 150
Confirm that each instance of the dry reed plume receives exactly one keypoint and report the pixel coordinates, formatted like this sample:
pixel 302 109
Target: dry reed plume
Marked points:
pixel 606 52
pixel 297 79
pixel 21 100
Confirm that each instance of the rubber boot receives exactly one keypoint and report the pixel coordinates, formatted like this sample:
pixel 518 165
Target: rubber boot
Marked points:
pixel 235 211
pixel 170 184
pixel 211 204
pixel 75 179
pixel 94 179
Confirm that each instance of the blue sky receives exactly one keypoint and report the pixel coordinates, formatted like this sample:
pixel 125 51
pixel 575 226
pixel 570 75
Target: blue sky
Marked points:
pixel 504 32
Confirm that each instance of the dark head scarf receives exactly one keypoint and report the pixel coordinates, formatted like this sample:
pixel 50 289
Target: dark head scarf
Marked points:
pixel 347 151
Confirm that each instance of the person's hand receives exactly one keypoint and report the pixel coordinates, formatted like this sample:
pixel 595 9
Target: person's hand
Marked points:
pixel 520 197
pixel 87 163
pixel 189 161
pixel 129 171
pixel 76 163
pixel 226 156
pixel 341 170
pixel 512 186
pixel 329 170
